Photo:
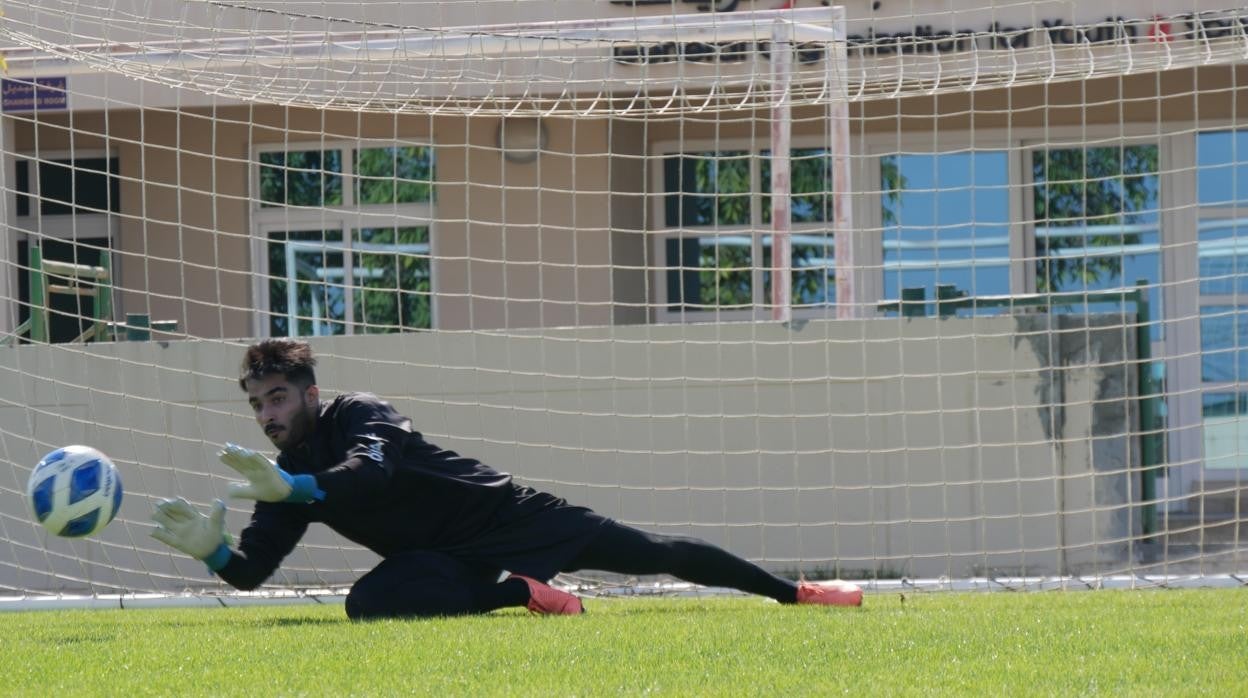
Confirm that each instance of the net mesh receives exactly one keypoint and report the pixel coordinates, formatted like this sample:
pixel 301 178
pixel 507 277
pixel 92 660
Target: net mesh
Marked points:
pixel 894 291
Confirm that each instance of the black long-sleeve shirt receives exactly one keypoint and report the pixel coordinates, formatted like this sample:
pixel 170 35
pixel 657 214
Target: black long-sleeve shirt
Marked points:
pixel 389 490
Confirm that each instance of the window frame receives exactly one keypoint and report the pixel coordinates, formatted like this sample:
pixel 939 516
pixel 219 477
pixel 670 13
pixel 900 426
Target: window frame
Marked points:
pixel 1187 451
pixel 1086 139
pixel 1020 247
pixel 660 232
pixel 64 226
pixel 346 217
pixel 73 225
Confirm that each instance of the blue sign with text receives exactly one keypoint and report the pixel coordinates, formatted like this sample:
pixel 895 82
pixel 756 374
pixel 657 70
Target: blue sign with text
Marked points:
pixel 30 94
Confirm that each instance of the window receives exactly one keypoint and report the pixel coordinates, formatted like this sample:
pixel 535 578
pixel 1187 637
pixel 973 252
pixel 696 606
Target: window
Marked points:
pixel 1096 217
pixel 306 296
pixel 64 205
pixel 810 207
pixel 716 204
pixel 1096 221
pixel 346 234
pixel 946 221
pixel 710 261
pixel 301 178
pixel 69 315
pixel 64 186
pixel 1222 258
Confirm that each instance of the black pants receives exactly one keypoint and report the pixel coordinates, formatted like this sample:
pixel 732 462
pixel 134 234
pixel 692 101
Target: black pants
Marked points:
pixel 433 584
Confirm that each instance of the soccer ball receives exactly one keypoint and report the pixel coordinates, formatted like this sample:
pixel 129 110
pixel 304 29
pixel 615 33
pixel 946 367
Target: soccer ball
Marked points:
pixel 74 491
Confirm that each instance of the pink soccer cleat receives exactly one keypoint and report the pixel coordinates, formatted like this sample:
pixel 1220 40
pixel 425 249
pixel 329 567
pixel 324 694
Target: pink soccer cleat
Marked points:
pixel 548 600
pixel 830 593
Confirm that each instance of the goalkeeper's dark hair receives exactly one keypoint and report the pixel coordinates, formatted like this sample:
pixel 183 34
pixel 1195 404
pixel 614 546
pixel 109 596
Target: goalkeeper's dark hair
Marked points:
pixel 289 357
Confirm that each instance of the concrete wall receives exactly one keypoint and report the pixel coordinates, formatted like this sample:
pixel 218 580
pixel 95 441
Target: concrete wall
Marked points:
pixel 919 447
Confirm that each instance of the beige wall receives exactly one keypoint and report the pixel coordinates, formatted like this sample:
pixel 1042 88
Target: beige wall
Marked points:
pixel 517 245
pixel 921 448
pixel 524 245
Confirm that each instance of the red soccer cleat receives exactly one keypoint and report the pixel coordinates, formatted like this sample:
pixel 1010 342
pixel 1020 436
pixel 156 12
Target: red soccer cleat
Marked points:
pixel 831 593
pixel 548 600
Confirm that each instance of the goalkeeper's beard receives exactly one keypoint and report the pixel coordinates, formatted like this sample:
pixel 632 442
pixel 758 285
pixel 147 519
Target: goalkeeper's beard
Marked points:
pixel 288 436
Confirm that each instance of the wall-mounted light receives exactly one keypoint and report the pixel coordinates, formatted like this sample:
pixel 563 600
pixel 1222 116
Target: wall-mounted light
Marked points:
pixel 520 139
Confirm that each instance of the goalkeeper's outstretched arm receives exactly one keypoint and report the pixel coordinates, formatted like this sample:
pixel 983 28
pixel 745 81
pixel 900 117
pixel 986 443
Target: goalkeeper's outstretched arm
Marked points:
pixel 267 540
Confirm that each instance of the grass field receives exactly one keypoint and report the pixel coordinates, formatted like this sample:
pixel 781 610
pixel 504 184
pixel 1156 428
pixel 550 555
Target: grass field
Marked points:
pixel 1153 642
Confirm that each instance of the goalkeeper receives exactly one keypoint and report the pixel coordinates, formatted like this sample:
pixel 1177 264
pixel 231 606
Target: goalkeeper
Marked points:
pixel 446 526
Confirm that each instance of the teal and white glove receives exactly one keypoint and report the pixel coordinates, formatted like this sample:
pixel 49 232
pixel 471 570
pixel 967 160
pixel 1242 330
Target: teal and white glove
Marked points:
pixel 266 482
pixel 180 526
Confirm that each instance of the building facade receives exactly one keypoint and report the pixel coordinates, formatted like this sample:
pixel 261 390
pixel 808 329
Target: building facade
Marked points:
pixel 243 219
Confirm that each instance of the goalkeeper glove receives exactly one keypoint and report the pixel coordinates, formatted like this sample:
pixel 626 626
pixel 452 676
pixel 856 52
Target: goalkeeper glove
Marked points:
pixel 266 482
pixel 180 526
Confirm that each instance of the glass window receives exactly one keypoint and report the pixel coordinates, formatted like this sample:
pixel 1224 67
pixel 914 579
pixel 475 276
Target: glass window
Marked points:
pixel 709 271
pixel 813 266
pixel 1097 224
pixel 1222 186
pixel 718 203
pixel 307 286
pixel 1224 343
pixel 81 191
pixel 707 189
pixel 1225 430
pixel 390 271
pixel 371 279
pixel 1096 217
pixel 301 178
pixel 811 202
pixel 69 314
pixel 946 220
pixel 1220 178
pixel 1223 254
pixel 70 185
pixel 1222 244
pixel 810 185
pixel 394 175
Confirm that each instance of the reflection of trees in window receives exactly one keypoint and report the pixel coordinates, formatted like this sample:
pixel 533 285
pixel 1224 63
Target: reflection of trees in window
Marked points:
pixel 812 268
pixel 301 178
pixel 710 189
pixel 377 279
pixel 725 276
pixel 392 279
pixel 707 189
pixel 389 281
pixel 892 183
pixel 1078 187
pixel 394 175
pixel 810 185
pixel 810 201
pixel 718 190
pixel 320 303
pixel 709 270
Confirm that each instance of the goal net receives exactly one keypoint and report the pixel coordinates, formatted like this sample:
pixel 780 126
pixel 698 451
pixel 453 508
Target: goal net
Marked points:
pixel 917 293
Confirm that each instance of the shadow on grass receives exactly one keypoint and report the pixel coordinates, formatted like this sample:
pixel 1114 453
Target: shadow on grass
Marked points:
pixel 78 639
pixel 294 622
pixel 661 606
pixel 221 616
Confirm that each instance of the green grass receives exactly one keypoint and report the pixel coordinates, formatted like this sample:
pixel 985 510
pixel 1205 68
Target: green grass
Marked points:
pixel 1151 643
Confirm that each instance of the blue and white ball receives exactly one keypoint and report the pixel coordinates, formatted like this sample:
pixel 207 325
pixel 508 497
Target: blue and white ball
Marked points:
pixel 74 491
